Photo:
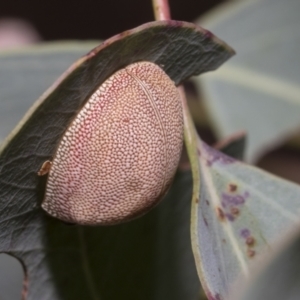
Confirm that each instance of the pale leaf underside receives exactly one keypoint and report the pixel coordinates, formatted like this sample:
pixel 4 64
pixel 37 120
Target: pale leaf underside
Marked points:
pixel 241 212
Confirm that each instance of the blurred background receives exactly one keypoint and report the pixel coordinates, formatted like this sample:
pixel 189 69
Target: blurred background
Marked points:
pixel 59 20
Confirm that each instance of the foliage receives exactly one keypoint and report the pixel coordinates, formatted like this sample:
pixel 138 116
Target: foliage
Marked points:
pixel 238 211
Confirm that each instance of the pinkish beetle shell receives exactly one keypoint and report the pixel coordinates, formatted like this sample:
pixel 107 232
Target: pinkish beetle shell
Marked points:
pixel 118 157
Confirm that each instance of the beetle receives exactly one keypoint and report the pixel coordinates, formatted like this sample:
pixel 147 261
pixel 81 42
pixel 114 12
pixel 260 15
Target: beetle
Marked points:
pixel 118 156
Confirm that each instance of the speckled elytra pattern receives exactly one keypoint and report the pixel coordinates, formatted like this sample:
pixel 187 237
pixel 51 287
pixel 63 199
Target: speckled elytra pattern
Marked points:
pixel 118 157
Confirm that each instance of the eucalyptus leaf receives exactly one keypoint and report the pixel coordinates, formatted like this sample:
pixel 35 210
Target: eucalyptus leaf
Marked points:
pixel 258 90
pixel 64 262
pixel 277 276
pixel 27 72
pixel 240 213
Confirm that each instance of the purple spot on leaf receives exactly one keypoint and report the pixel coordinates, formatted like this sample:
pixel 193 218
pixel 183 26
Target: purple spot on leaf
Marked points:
pixel 213 155
pixel 217 297
pixel 245 233
pixel 223 203
pixel 233 199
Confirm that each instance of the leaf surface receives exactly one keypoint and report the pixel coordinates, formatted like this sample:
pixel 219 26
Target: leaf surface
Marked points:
pixel 26 73
pixel 144 259
pixel 238 212
pixel 241 212
pixel 258 90
pixel 277 276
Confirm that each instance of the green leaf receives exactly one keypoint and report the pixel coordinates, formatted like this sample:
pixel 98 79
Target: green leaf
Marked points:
pixel 149 258
pixel 238 211
pixel 241 212
pixel 143 259
pixel 277 276
pixel 258 90
pixel 26 73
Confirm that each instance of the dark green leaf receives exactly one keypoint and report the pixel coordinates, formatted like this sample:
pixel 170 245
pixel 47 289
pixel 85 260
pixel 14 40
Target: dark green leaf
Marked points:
pixel 138 260
pixel 25 74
